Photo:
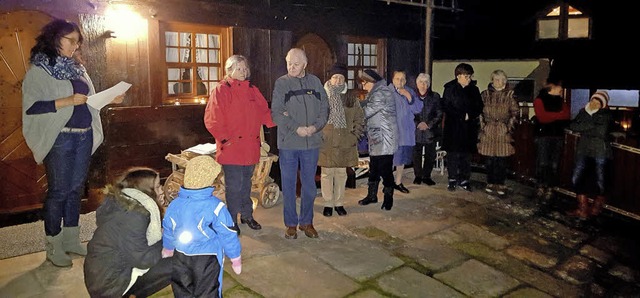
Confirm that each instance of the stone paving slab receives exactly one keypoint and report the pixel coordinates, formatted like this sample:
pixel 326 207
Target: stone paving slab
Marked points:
pixel 406 282
pixel 529 255
pixel 527 293
pixel 432 254
pixel 293 274
pixel 477 279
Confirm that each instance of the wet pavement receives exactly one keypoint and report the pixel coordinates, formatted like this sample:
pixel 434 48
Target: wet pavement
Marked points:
pixel 433 243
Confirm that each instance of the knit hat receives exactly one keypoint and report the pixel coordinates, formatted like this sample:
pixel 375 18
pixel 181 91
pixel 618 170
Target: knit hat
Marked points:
pixel 338 68
pixel 601 96
pixel 370 76
pixel 200 172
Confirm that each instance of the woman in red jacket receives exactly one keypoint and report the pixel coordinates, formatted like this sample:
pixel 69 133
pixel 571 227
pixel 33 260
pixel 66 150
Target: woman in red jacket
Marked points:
pixel 553 115
pixel 234 116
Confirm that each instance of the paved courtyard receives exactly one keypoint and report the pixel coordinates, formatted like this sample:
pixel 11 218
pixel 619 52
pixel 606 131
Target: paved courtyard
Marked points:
pixel 433 243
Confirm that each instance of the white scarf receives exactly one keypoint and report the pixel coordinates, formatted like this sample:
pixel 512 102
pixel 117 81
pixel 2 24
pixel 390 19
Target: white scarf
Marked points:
pixel 154 230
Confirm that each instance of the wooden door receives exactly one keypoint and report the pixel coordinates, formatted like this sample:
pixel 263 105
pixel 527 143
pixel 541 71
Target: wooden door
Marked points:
pixel 22 182
pixel 319 55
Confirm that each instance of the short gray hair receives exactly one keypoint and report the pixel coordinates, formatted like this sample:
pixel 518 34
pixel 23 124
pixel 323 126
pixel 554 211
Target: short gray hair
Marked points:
pixel 233 60
pixel 424 77
pixel 499 73
pixel 298 52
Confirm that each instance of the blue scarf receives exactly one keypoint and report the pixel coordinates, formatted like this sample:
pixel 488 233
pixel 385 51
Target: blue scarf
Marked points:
pixel 64 69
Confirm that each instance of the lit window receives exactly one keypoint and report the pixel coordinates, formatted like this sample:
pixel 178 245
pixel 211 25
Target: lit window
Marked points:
pixel 361 54
pixel 563 22
pixel 193 59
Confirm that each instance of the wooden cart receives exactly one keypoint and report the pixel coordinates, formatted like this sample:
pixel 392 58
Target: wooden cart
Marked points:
pixel 268 193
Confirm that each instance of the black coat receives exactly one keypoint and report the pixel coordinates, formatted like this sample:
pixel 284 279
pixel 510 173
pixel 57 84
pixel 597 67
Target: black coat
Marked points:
pixel 460 135
pixel 431 114
pixel 118 245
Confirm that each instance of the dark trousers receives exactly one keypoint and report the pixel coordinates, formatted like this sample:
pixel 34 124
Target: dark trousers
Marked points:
pixel 67 166
pixel 195 276
pixel 381 166
pixel 423 163
pixel 579 171
pixel 548 152
pixel 237 181
pixel 459 166
pixel 157 278
pixel 496 169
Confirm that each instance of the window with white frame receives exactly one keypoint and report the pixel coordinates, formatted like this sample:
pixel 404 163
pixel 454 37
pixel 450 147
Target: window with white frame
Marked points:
pixel 194 57
pixel 564 22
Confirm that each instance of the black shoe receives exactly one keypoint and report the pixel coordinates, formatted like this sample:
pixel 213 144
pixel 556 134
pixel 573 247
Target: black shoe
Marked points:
pixel 340 210
pixel 466 186
pixel 328 211
pixel 400 187
pixel 452 186
pixel 252 223
pixel 417 181
pixel 236 228
pixel 367 201
pixel 428 181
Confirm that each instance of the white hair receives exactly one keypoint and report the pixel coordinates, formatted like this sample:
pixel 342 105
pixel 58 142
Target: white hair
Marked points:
pixel 424 77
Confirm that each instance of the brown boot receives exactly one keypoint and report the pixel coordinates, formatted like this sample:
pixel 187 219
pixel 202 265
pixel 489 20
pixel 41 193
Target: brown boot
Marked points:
pixel 598 203
pixel 583 207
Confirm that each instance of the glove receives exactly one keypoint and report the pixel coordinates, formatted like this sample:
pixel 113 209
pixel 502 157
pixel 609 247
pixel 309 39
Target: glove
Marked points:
pixel 167 253
pixel 236 264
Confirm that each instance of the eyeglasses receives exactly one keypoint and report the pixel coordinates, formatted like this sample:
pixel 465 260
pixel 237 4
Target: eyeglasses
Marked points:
pixel 73 41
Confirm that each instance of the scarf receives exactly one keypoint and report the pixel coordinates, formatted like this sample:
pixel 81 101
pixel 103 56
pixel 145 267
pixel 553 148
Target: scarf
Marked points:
pixel 154 230
pixel 336 106
pixel 65 68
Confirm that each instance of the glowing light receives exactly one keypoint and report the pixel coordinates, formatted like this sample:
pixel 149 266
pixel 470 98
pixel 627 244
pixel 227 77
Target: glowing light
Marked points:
pixel 126 24
pixel 185 237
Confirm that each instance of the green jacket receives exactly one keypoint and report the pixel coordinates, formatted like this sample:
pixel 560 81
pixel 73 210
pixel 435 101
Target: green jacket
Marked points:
pixel 339 145
pixel 594 133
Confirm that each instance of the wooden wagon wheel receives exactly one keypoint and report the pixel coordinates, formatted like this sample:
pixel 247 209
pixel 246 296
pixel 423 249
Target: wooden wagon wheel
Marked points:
pixel 269 195
pixel 171 187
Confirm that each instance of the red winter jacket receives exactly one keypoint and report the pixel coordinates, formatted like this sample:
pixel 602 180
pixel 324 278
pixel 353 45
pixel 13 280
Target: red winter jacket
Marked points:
pixel 234 116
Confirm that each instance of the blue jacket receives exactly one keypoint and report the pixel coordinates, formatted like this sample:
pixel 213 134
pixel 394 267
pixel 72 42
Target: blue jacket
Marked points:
pixel 405 112
pixel 198 223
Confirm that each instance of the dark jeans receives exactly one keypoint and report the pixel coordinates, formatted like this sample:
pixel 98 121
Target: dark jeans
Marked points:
pixel 195 276
pixel 423 163
pixel 237 181
pixel 157 278
pixel 496 169
pixel 579 170
pixel 381 166
pixel 548 152
pixel 459 166
pixel 67 165
pixel 290 161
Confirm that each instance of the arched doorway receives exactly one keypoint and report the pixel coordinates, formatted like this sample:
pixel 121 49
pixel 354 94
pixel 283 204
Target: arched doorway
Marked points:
pixel 22 181
pixel 319 54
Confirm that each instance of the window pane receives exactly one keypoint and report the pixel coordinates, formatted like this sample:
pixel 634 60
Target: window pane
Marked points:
pixel 374 61
pixel 181 87
pixel 573 11
pixel 548 29
pixel 172 55
pixel 351 49
pixel 367 61
pixel 213 74
pixel 170 88
pixel 214 56
pixel 185 55
pixel 554 12
pixel 367 49
pixel 171 38
pixel 350 85
pixel 351 60
pixel 374 49
pixel 202 89
pixel 201 56
pixel 201 40
pixel 350 74
pixel 174 74
pixel 358 49
pixel 214 41
pixel 203 73
pixel 185 39
pixel 212 85
pixel 578 28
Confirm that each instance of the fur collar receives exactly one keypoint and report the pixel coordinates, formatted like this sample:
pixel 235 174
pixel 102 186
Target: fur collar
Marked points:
pixel 154 230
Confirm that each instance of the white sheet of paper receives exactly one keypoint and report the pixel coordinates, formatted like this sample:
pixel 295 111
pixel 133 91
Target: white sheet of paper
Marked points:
pixel 101 99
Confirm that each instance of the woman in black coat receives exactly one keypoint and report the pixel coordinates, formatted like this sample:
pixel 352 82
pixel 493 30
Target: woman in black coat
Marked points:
pixel 125 254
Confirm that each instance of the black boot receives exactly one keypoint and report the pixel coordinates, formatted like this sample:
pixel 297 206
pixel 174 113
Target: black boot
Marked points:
pixel 372 194
pixel 388 198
